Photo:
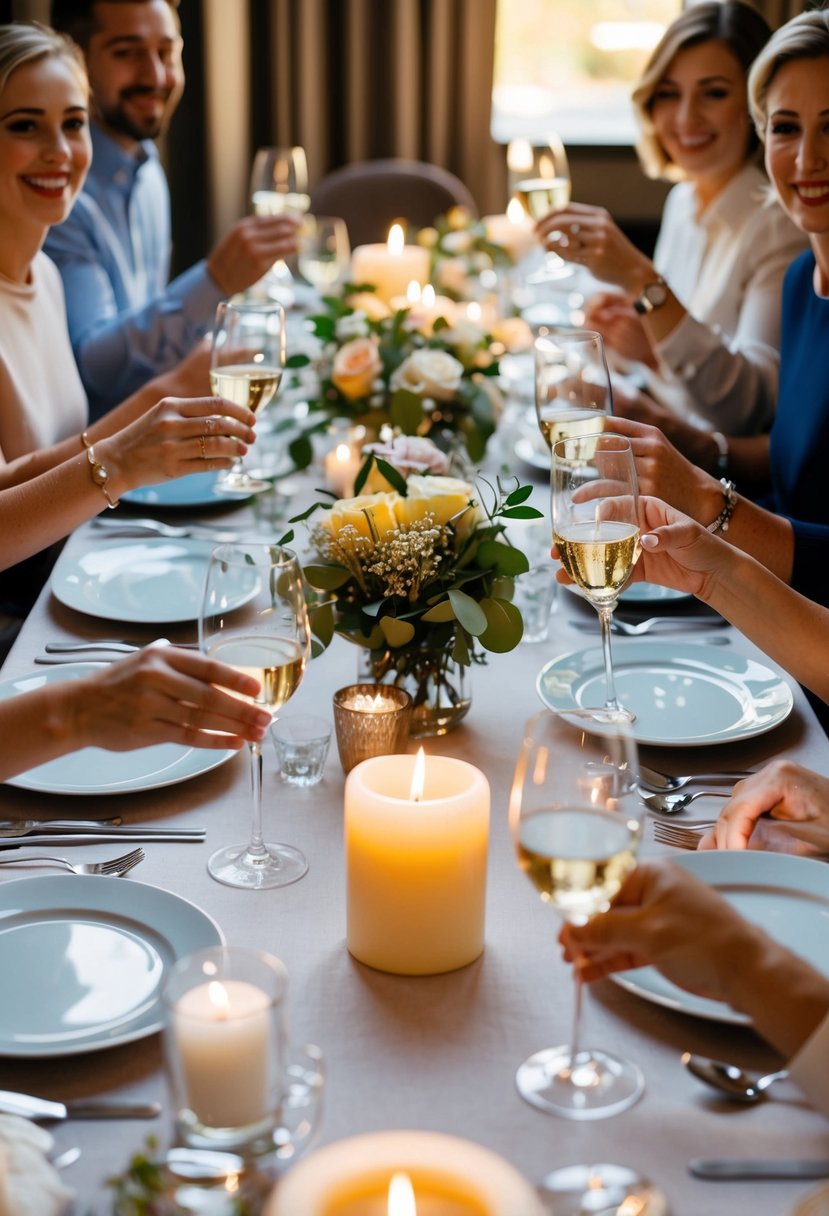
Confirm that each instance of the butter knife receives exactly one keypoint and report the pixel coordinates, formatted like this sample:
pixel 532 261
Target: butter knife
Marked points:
pixel 41 1108
pixel 728 1169
pixel 66 838
pixel 126 830
pixel 110 644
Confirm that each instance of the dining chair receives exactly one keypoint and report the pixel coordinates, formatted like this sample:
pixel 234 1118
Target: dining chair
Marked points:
pixel 370 195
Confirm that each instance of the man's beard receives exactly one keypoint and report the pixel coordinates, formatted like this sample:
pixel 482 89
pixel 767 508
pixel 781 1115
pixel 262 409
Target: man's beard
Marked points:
pixel 148 127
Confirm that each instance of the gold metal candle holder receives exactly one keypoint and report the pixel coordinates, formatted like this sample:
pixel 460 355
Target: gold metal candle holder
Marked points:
pixel 371 720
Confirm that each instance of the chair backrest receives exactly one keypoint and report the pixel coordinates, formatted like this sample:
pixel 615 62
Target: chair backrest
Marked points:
pixel 370 195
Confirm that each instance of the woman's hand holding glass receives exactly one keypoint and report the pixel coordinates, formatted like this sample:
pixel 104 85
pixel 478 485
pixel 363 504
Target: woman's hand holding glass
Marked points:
pixel 540 180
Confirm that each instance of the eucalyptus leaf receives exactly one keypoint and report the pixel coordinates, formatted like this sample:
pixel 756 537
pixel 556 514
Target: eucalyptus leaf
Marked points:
pixel 406 411
pixel 301 451
pixel 468 612
pixel 442 611
pixel 326 578
pixel 396 632
pixel 505 628
pixel 494 554
pixel 298 360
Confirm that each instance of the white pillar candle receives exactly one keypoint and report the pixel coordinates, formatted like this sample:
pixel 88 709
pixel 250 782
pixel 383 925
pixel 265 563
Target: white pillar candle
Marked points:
pixel 448 1177
pixel 342 465
pixel 390 268
pixel 222 1032
pixel 513 232
pixel 416 868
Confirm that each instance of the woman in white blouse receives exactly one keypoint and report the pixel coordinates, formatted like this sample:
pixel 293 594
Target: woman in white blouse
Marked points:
pixel 700 324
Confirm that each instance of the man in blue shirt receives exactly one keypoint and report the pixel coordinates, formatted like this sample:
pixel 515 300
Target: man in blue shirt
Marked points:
pixel 126 321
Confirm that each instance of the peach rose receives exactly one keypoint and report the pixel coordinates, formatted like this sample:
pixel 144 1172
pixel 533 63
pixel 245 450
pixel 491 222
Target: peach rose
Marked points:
pixel 443 497
pixel 357 365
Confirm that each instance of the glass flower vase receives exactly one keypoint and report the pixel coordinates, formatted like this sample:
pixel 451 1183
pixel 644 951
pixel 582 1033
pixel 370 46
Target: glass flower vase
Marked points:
pixel 437 684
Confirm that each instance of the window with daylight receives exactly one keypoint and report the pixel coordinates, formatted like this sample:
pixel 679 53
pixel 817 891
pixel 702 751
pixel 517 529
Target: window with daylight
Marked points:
pixel 570 65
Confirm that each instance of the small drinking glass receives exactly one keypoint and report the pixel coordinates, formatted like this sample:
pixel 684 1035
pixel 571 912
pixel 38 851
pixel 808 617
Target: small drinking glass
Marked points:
pixel 253 617
pixel 572 383
pixel 595 509
pixel 301 742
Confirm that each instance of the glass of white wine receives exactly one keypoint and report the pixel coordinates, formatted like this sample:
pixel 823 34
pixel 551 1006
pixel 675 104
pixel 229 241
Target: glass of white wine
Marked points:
pixel 572 383
pixel 324 251
pixel 253 617
pixel 279 184
pixel 540 180
pixel 246 364
pixel 595 513
pixel 576 823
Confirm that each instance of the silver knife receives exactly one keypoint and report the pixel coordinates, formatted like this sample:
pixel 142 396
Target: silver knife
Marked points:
pixel 110 644
pixel 154 528
pixel 41 1108
pixel 137 837
pixel 126 830
pixel 726 1169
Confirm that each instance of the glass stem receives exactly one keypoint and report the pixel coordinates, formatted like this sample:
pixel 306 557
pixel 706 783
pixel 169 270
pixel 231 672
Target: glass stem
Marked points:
pixel 575 1035
pixel 606 619
pixel 256 848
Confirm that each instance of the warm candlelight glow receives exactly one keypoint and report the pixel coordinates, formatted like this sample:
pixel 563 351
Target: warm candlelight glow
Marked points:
pixel 428 296
pixel 396 240
pixel 376 704
pixel 217 994
pixel 515 212
pixel 474 311
pixel 413 292
pixel 519 155
pixel 418 776
pixel 342 453
pixel 401 1196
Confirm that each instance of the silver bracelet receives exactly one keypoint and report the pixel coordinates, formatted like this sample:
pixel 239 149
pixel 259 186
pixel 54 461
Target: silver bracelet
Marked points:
pixel 730 499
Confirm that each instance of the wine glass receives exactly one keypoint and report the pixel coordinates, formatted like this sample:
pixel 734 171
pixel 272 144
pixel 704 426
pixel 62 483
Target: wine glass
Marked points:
pixel 595 512
pixel 253 617
pixel 279 184
pixel 324 251
pixel 576 824
pixel 572 383
pixel 246 365
pixel 540 179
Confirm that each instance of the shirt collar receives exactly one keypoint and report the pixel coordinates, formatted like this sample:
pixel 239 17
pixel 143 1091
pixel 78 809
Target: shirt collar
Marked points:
pixel 728 210
pixel 114 164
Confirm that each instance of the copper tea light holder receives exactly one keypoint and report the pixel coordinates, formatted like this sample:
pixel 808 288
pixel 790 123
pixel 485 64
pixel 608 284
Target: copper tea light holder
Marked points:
pixel 371 720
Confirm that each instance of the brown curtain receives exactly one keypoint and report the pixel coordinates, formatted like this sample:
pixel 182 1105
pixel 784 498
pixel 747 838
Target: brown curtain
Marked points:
pixel 777 12
pixel 349 80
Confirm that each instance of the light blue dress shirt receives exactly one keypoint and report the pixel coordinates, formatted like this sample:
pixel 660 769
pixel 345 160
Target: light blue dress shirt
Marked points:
pixel 126 322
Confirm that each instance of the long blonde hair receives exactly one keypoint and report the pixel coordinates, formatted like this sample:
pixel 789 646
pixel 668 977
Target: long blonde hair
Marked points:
pixel 732 23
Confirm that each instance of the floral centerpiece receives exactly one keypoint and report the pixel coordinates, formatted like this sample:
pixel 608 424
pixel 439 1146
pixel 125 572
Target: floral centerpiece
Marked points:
pixel 418 573
pixel 466 251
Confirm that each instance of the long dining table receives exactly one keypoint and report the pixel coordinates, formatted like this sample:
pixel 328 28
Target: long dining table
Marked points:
pixel 436 1052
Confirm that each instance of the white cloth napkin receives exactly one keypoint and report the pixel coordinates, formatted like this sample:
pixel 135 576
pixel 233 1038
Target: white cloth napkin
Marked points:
pixel 29 1184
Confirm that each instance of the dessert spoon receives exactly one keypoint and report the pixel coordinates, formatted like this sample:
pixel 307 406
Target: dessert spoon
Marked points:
pixel 729 1079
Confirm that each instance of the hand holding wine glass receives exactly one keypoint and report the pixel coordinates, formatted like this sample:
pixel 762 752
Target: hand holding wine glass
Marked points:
pixel 246 363
pixel 279 184
pixel 540 180
pixel 253 618
pixel 572 383
pixel 576 822
pixel 595 511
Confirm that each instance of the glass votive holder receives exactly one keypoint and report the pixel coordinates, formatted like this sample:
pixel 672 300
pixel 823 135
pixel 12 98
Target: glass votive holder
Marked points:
pixel 301 742
pixel 225 1042
pixel 371 720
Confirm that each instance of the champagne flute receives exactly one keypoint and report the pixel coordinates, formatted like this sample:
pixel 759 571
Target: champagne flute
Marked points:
pixel 253 617
pixel 540 180
pixel 246 365
pixel 279 184
pixel 595 512
pixel 572 383
pixel 324 251
pixel 576 824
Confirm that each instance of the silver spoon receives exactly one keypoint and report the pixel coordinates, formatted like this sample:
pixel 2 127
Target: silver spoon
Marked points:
pixel 665 783
pixel 729 1079
pixel 673 804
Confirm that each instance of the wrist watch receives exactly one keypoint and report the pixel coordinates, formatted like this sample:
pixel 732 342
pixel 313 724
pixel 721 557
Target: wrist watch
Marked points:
pixel 653 296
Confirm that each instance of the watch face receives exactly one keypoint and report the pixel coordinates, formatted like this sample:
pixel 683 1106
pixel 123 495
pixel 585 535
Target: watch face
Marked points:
pixel 656 294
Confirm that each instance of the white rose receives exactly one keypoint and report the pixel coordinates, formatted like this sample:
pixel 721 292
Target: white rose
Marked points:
pixel 429 373
pixel 352 325
pixel 443 497
pixel 457 242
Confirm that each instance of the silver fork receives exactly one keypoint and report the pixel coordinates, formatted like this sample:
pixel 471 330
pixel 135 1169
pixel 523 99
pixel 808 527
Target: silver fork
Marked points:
pixel 635 630
pixel 116 867
pixel 681 837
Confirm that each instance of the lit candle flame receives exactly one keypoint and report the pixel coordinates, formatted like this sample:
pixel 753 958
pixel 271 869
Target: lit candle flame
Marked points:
pixel 396 240
pixel 515 213
pixel 519 156
pixel 428 296
pixel 473 311
pixel 217 995
pixel 342 453
pixel 413 292
pixel 401 1196
pixel 418 776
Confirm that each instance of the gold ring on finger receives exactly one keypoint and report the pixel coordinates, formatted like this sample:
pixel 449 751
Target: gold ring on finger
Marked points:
pixel 203 449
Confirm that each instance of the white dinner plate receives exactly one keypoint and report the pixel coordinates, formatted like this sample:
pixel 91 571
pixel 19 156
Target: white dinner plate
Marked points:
pixel 787 896
pixel 84 960
pixel 637 593
pixel 194 490
pixel 683 694
pixel 147 582
pixel 96 771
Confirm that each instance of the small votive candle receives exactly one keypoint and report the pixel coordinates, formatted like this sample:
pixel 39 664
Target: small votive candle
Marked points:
pixel 370 720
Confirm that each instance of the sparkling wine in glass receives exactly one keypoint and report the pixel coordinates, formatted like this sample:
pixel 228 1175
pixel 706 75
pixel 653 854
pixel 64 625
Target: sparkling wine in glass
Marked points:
pixel 246 365
pixel 253 617
pixel 324 251
pixel 595 512
pixel 572 383
pixel 279 184
pixel 540 180
pixel 576 823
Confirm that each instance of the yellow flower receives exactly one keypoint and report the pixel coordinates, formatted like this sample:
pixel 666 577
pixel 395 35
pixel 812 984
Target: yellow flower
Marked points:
pixel 357 365
pixel 355 511
pixel 443 497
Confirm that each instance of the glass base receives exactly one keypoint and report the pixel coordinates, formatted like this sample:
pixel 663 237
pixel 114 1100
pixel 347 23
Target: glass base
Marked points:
pixel 608 714
pixel 606 1190
pixel 279 866
pixel 240 483
pixel 595 1086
